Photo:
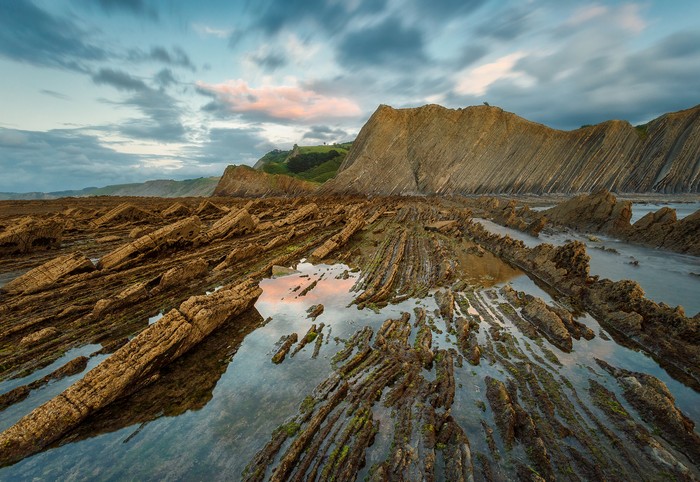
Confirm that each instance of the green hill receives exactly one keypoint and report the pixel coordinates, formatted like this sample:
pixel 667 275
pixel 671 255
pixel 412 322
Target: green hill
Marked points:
pixel 311 163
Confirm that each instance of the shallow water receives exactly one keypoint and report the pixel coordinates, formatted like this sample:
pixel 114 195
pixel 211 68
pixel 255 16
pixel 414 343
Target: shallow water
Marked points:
pixel 665 276
pixel 682 209
pixel 219 433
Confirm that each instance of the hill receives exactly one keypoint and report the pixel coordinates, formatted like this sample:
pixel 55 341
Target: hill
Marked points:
pixel 203 186
pixel 483 149
pixel 244 181
pixel 311 163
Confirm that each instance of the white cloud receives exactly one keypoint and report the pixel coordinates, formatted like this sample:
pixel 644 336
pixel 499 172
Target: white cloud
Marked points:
pixel 477 80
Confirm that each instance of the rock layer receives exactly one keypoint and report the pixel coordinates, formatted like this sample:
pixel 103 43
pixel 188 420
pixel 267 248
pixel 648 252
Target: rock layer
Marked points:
pixel 244 181
pixel 482 149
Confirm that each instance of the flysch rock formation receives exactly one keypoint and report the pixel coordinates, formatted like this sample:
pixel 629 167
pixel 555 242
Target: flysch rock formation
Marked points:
pixel 30 234
pixel 244 181
pixel 483 149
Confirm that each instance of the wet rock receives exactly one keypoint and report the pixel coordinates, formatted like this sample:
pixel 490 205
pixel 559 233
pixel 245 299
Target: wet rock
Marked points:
pixel 128 296
pixel 49 273
pixel 503 409
pixel 287 342
pixel 630 323
pixel 132 366
pixel 279 271
pixel 123 214
pixel 168 237
pixel 315 311
pixel 654 402
pixel 536 226
pixel 597 212
pixel 548 322
pixel 30 234
pixel 39 336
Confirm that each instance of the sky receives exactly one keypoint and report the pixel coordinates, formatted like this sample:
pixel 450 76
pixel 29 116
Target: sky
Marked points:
pixel 98 92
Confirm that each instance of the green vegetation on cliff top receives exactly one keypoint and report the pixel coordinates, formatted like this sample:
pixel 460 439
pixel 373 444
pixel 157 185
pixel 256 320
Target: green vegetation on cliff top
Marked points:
pixel 311 163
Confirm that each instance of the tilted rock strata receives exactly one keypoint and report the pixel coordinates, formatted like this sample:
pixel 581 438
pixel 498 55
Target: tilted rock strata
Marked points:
pixel 482 149
pixel 130 367
pixel 49 273
pixel 243 181
pixel 30 234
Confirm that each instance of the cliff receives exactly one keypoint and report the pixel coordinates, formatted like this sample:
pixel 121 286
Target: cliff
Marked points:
pixel 244 181
pixel 483 149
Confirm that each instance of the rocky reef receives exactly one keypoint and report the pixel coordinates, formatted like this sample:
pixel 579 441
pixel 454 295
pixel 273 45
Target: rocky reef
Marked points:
pixel 440 370
pixel 244 181
pixel 482 149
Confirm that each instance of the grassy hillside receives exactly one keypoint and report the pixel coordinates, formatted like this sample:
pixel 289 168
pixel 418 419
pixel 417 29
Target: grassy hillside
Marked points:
pixel 311 163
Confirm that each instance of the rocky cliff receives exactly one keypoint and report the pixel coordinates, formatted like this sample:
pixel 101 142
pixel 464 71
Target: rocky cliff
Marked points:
pixel 483 149
pixel 244 181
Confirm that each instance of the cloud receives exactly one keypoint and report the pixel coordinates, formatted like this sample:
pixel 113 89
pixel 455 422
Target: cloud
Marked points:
pixel 268 61
pixel 164 78
pixel 387 43
pixel 119 80
pixel 32 35
pixel 285 102
pixel 176 57
pixel 206 30
pixel 138 8
pixel 330 16
pixel 507 25
pixel 224 146
pixel 162 116
pixel 321 133
pixel 54 94
pixel 476 81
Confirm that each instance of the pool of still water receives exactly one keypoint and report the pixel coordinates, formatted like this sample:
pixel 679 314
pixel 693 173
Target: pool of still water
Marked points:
pixel 253 396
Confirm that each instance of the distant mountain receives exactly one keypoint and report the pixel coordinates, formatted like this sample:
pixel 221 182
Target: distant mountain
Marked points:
pixel 310 163
pixel 483 149
pixel 203 186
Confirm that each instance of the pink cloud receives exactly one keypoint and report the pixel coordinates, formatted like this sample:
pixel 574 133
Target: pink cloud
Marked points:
pixel 280 102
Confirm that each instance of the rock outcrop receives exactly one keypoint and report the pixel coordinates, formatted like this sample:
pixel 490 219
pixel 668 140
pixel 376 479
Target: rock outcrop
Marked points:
pixel 482 149
pixel 124 213
pixel 164 238
pixel 129 368
pixel 244 181
pixel 49 273
pixel 30 234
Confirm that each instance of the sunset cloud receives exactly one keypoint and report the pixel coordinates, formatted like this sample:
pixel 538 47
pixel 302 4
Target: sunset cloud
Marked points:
pixel 288 102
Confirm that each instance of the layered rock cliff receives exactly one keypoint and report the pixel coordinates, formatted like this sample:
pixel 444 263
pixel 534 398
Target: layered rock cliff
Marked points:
pixel 244 181
pixel 483 149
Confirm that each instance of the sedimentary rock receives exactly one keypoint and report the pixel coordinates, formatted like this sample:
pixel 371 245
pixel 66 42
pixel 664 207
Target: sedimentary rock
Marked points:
pixel 232 224
pixel 30 234
pixel 124 213
pixel 337 240
pixel 176 210
pixel 598 212
pixel 164 238
pixel 131 366
pixel 482 149
pixel 49 273
pixel 244 181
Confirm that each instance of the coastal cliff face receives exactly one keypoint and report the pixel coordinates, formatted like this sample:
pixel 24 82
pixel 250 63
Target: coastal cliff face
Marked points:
pixel 243 181
pixel 483 149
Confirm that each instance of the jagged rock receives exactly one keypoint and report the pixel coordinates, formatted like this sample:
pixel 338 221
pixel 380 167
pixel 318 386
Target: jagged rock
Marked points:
pixel 655 403
pixel 139 231
pixel 238 254
pixel 598 212
pixel 435 150
pixel 309 211
pixel 49 273
pixel 287 342
pixel 233 224
pixel 315 311
pixel 630 323
pixel 182 274
pixel 164 238
pixel 279 271
pixel 39 336
pixel 547 320
pixel 30 234
pixel 243 181
pixel 662 230
pixel 176 210
pixel 335 241
pixel 128 296
pixel 124 213
pixel 132 366
pixel 207 207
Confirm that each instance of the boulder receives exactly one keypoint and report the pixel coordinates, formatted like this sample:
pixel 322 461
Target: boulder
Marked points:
pixel 167 237
pixel 123 214
pixel 49 273
pixel 30 234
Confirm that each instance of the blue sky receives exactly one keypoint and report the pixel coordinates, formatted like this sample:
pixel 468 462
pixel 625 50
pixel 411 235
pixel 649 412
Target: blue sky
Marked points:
pixel 97 92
